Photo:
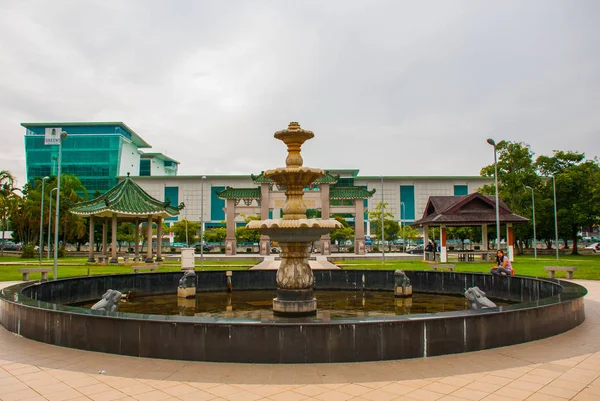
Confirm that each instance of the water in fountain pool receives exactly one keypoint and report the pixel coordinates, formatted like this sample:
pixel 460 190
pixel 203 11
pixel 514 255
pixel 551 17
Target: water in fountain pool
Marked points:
pixel 258 304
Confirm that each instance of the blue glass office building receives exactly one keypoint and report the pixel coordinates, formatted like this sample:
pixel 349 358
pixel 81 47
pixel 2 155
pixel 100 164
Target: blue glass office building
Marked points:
pixel 96 152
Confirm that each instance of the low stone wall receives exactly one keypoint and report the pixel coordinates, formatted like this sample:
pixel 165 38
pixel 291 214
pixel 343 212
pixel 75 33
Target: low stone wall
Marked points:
pixel 37 311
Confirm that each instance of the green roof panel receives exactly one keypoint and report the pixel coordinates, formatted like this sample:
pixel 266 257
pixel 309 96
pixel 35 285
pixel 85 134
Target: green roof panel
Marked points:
pixel 126 199
pixel 239 193
pixel 350 193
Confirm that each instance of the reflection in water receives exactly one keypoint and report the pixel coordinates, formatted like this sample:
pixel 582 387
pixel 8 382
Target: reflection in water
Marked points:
pixel 258 304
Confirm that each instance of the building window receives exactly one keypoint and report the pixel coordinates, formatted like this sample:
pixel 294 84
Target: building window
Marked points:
pixel 460 190
pixel 144 167
pixel 216 204
pixel 407 195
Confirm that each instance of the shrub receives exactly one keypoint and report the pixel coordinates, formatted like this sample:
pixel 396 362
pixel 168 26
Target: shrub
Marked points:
pixel 375 248
pixel 248 250
pixel 61 253
pixel 28 252
pixel 351 249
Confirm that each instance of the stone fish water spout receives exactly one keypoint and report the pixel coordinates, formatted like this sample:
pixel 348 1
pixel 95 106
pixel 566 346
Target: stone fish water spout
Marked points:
pixel 187 285
pixel 477 299
pixel 109 302
pixel 294 231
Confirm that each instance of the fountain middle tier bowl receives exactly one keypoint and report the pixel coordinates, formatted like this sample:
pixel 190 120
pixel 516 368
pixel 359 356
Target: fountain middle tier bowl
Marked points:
pixel 294 175
pixel 301 230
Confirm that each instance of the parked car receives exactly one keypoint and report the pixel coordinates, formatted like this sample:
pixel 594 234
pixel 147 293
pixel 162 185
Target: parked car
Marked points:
pixel 416 250
pixel 205 248
pixel 11 246
pixel 594 247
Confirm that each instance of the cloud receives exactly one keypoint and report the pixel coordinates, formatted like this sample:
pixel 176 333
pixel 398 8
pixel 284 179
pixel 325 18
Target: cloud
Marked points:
pixel 388 87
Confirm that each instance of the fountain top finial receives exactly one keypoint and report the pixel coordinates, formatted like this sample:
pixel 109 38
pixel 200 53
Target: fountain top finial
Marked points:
pixel 294 136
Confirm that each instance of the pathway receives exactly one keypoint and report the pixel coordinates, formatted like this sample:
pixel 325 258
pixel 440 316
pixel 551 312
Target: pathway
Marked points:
pixel 566 366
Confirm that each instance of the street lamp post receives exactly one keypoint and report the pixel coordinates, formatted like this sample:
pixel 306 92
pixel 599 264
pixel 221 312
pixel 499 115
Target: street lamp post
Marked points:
pixel 63 135
pixel 382 225
pixel 187 242
pixel 533 212
pixel 493 143
pixel 50 223
pixel 555 216
pixel 42 219
pixel 402 217
pixel 202 221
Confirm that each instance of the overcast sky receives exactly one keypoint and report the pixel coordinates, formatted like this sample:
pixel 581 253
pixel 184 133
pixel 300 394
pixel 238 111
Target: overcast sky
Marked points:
pixel 388 87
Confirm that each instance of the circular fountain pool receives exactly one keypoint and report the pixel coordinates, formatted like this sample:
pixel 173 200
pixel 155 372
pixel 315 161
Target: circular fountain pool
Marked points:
pixel 259 304
pixel 541 308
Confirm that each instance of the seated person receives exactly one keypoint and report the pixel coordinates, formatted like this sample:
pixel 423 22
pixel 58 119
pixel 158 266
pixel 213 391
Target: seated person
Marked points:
pixel 502 265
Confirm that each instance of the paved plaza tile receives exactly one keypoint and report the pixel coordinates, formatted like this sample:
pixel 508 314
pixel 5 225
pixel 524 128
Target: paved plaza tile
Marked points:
pixel 563 367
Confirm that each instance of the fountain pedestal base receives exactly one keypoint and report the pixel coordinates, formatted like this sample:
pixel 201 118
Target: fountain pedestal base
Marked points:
pixel 295 303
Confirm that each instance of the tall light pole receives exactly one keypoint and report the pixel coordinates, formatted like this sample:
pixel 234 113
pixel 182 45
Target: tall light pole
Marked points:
pixel 382 225
pixel 493 143
pixel 42 219
pixel 187 243
pixel 534 235
pixel 63 135
pixel 202 221
pixel 402 217
pixel 555 216
pixel 50 223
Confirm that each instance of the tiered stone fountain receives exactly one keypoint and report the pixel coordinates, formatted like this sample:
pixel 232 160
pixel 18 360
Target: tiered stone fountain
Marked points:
pixel 294 231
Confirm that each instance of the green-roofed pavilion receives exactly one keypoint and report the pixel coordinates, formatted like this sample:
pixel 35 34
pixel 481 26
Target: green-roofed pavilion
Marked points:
pixel 126 201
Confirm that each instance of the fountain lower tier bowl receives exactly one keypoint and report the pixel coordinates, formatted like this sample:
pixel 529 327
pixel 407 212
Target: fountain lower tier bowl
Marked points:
pixel 40 311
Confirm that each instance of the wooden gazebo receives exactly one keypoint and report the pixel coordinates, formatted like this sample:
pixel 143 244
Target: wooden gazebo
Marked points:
pixel 468 210
pixel 126 201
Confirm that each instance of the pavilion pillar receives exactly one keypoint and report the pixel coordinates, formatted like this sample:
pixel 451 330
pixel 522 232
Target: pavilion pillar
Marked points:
pixel 230 241
pixel 510 242
pixel 137 241
pixel 159 240
pixel 149 257
pixel 484 237
pixel 359 227
pixel 104 237
pixel 113 247
pixel 443 248
pixel 265 241
pixel 325 239
pixel 91 250
pixel 425 242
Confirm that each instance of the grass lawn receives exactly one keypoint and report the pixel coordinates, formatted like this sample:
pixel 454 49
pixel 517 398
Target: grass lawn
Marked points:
pixel 588 266
pixel 73 267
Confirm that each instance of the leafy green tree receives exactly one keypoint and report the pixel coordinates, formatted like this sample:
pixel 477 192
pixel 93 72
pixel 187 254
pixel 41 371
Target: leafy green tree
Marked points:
pixel 244 234
pixel 577 192
pixel 391 226
pixel 215 234
pixel 343 234
pixel 464 233
pixel 125 233
pixel 73 228
pixel 179 230
pixel 516 170
pixel 8 200
pixel 408 234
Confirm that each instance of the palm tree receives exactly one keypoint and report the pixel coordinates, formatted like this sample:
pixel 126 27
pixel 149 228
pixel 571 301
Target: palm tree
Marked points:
pixel 7 201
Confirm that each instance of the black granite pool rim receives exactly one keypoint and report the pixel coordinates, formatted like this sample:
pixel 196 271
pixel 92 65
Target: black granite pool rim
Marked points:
pixel 38 311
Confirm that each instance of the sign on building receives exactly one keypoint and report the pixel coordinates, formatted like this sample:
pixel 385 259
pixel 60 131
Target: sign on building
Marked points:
pixel 52 136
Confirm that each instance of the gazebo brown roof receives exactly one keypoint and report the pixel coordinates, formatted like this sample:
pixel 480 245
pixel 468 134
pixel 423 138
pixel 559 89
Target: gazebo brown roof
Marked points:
pixel 467 210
